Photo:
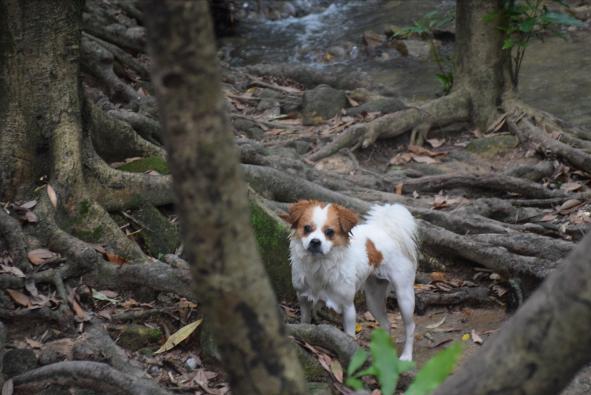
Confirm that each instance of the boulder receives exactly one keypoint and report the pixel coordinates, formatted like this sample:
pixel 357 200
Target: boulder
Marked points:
pixel 322 103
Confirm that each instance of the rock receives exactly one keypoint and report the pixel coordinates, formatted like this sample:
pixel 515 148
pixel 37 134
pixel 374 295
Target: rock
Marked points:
pixel 250 128
pixel 492 146
pixel 337 163
pixel 18 361
pixel 269 101
pixel 157 235
pixel 193 362
pixel 135 337
pixel 337 52
pixel 322 103
pixel 373 40
pixel 418 49
pixel 384 105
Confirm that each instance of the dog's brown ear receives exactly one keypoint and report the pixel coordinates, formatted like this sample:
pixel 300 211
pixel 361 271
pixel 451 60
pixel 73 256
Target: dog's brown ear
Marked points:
pixel 347 218
pixel 296 211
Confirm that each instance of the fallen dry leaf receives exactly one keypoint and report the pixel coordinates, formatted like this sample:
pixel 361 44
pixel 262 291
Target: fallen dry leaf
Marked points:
pixel 438 276
pixel 40 256
pixel 29 205
pixel 398 188
pixel 177 337
pixel 79 312
pixel 548 217
pixel 437 324
pixel 19 297
pixel 52 195
pixel 400 159
pixel 569 204
pixel 418 150
pixel 475 337
pixel 436 143
pixel 33 343
pixel 337 370
pixel 114 258
pixel 12 270
pixel 424 159
pixel 31 217
pixel 571 186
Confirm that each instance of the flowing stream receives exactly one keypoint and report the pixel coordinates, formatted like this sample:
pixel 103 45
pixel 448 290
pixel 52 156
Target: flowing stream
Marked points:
pixel 556 75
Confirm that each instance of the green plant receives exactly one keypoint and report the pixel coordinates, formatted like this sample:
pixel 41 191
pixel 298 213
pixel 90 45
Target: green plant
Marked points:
pixel 386 367
pixel 424 27
pixel 523 20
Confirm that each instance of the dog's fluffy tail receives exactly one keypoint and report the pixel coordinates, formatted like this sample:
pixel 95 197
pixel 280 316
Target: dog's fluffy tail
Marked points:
pixel 399 224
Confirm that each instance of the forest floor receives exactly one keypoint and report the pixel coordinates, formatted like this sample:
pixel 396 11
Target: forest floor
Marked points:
pixel 287 125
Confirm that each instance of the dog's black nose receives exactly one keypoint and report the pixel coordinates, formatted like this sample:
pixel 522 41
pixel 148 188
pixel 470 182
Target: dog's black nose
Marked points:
pixel 315 243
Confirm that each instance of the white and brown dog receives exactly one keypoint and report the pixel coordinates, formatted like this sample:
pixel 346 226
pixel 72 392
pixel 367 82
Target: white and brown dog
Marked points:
pixel 332 258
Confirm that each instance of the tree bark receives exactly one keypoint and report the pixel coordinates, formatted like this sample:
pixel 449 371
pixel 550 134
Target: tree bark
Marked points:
pixel 552 326
pixel 212 201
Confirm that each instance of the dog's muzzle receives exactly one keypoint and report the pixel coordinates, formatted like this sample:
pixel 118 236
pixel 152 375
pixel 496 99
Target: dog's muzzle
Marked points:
pixel 315 246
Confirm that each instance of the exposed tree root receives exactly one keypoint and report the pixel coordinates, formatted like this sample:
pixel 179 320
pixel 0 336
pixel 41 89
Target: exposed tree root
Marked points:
pixel 13 236
pixel 490 182
pixel 529 132
pixel 463 296
pixel 115 140
pixel 437 113
pixel 82 374
pixel 122 56
pixel 326 336
pixel 146 127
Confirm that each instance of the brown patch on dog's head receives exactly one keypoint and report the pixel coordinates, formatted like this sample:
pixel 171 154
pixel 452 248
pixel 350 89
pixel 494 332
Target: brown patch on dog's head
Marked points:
pixel 299 216
pixel 340 220
pixel 374 256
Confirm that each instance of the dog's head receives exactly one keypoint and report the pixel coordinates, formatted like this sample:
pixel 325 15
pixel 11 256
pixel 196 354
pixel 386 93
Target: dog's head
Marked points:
pixel 320 226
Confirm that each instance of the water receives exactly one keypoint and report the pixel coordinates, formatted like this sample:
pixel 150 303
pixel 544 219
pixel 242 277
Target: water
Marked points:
pixel 556 74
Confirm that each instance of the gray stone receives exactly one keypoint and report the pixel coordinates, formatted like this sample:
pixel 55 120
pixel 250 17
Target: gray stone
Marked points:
pixel 18 361
pixel 250 128
pixel 322 103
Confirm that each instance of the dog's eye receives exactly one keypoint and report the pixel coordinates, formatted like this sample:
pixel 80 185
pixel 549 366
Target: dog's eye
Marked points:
pixel 329 232
pixel 307 228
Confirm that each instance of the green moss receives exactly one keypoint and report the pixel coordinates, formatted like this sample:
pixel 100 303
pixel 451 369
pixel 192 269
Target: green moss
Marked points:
pixel 492 146
pixel 136 337
pixel 272 237
pixel 84 208
pixel 146 164
pixel 93 235
pixel 158 236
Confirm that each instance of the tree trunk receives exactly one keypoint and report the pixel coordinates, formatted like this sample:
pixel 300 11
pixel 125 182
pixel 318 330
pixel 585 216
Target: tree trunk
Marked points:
pixel 481 67
pixel 39 96
pixel 543 346
pixel 212 202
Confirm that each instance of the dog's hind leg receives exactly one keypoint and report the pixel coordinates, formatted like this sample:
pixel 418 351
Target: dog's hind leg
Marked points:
pixel 376 291
pixel 405 296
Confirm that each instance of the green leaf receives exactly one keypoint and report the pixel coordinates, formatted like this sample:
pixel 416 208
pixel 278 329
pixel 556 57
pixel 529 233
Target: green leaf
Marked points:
pixel 561 19
pixel 385 360
pixel 357 361
pixel 508 43
pixel 527 25
pixel 354 383
pixel 405 366
pixel 435 371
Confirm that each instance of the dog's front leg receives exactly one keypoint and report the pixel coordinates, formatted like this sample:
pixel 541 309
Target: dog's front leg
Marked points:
pixel 305 309
pixel 349 319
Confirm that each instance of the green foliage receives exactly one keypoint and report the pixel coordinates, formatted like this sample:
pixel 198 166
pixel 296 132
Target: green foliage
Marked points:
pixel 386 367
pixel 424 27
pixel 523 20
pixel 435 371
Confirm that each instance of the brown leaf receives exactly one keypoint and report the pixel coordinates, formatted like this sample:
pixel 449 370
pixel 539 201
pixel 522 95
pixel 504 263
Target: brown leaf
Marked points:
pixel 424 159
pixel 548 217
pixel 30 217
pixel 40 256
pixel 475 337
pixel 80 313
pixel 398 188
pixel 337 370
pixel 438 277
pixel 439 201
pixel 33 343
pixel 400 159
pixel 571 186
pixel 28 205
pixel 436 143
pixel 417 149
pixel 114 258
pixel 12 270
pixel 19 297
pixel 569 204
pixel 52 195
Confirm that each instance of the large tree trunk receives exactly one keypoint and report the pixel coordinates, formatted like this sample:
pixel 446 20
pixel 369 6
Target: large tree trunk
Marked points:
pixel 231 283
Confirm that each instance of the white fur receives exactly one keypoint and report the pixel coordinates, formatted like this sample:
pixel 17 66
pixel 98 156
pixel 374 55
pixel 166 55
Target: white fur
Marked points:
pixel 335 275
